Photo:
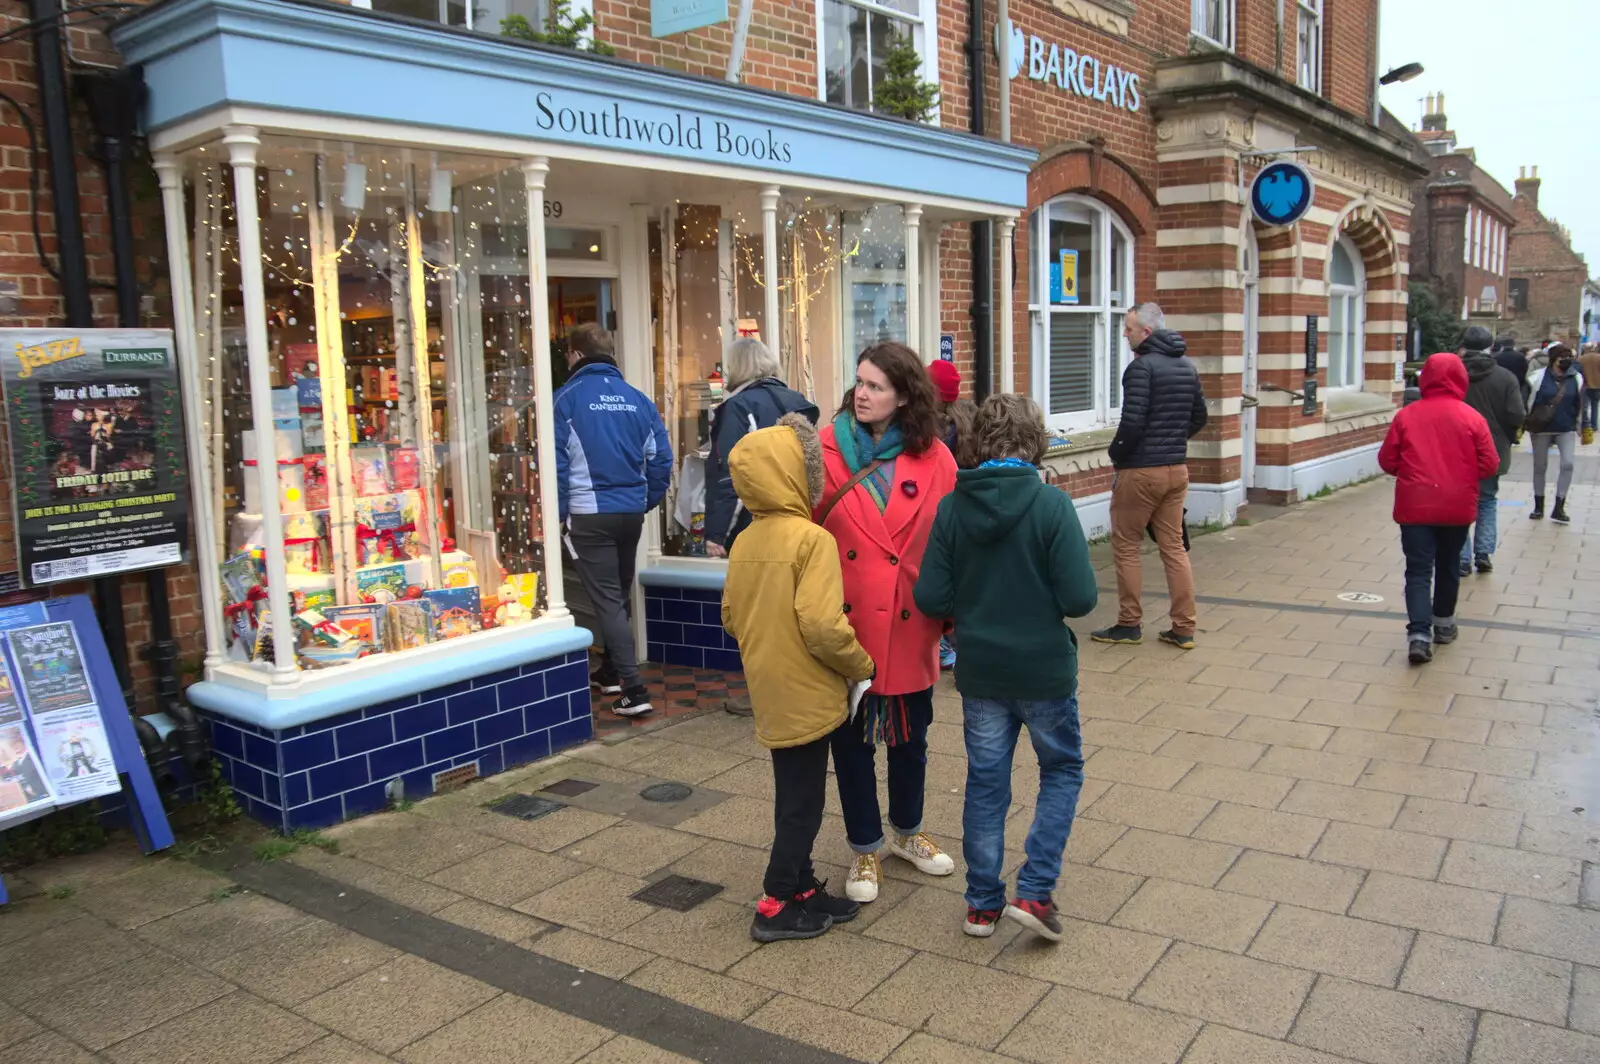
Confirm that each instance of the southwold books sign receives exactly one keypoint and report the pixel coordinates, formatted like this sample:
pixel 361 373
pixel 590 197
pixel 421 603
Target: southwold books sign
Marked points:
pixel 99 470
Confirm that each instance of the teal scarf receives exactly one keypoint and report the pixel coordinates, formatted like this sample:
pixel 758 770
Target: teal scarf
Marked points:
pixel 858 449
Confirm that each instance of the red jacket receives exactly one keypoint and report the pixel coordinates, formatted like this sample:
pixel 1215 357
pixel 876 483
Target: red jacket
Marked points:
pixel 1439 448
pixel 881 554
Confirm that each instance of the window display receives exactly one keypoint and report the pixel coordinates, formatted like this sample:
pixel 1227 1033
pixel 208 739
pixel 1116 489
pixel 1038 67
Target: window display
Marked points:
pixel 403 400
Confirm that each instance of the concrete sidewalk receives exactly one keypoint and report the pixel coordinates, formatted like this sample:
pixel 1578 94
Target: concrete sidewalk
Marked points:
pixel 1293 848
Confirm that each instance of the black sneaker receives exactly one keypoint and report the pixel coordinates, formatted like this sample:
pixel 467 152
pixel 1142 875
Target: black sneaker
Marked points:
pixel 1040 917
pixel 1421 651
pixel 1559 514
pixel 605 680
pixel 1538 509
pixel 1466 569
pixel 635 702
pixel 1484 564
pixel 1445 633
pixel 818 900
pixel 793 920
pixel 1182 642
pixel 1127 634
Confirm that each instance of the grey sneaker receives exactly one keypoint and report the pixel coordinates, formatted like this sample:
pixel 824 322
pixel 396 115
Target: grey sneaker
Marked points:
pixel 1444 633
pixel 1128 634
pixel 1421 651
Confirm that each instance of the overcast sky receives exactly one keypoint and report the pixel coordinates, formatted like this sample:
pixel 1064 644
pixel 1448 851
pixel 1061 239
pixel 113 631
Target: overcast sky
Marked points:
pixel 1520 88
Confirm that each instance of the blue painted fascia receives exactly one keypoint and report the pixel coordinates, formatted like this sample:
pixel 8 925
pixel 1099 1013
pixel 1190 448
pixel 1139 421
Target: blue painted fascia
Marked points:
pixel 471 660
pixel 332 60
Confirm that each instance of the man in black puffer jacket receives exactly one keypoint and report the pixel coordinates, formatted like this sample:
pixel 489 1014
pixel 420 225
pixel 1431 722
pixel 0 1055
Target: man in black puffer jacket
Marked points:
pixel 1162 406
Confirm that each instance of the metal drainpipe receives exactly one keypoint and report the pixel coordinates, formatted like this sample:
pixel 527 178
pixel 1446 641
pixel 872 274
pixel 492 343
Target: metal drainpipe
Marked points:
pixel 982 231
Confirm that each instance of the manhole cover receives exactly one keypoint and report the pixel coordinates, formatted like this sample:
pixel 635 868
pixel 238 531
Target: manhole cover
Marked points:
pixel 570 788
pixel 1359 596
pixel 678 893
pixel 525 807
pixel 667 792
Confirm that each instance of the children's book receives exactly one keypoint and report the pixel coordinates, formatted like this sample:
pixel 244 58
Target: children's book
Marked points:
pixel 383 584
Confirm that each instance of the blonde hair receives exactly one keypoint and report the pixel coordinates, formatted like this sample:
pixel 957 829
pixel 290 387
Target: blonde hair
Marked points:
pixel 748 359
pixel 1007 426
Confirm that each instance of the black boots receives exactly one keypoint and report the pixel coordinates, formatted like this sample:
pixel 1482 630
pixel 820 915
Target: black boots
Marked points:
pixel 1538 509
pixel 1559 514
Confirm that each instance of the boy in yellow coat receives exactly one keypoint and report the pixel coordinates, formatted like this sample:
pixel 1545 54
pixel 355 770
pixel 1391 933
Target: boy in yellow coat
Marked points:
pixel 784 602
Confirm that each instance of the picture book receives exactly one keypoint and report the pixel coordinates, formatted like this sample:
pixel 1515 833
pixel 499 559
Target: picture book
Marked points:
pixel 455 611
pixel 383 584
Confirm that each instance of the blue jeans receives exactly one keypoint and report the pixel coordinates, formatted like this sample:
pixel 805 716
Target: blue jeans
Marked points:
pixel 1591 407
pixel 856 774
pixel 1481 543
pixel 992 727
pixel 1433 580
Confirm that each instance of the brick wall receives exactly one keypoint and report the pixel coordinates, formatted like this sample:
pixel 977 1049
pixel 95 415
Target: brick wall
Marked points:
pixel 1541 254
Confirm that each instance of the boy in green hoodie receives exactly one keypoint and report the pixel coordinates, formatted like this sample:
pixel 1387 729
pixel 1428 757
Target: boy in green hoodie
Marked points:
pixel 1007 561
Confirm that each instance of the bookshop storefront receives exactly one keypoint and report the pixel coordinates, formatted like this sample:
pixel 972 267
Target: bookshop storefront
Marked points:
pixel 375 259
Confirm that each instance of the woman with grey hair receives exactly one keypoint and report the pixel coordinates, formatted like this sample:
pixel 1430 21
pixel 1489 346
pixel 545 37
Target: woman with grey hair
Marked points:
pixel 756 400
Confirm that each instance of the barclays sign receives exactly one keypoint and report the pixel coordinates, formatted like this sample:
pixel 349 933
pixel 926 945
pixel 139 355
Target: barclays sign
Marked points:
pixel 1071 70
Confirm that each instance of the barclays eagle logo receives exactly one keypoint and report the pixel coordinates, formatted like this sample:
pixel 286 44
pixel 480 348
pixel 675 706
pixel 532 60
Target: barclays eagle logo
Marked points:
pixel 1282 194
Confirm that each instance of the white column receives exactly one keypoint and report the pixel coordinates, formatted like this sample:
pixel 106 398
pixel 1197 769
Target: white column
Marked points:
pixel 534 172
pixel 206 561
pixel 1008 358
pixel 912 213
pixel 770 332
pixel 242 144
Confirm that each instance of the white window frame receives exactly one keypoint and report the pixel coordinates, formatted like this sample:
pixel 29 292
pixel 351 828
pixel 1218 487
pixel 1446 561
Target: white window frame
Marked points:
pixel 1199 10
pixel 1308 60
pixel 925 32
pixel 1111 350
pixel 1349 304
pixel 578 9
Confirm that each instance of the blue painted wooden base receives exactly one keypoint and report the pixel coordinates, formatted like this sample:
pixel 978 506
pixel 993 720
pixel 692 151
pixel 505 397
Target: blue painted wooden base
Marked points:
pixel 683 626
pixel 320 773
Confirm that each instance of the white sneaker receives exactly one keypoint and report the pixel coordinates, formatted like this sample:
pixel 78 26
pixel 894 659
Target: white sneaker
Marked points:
pixel 862 883
pixel 923 852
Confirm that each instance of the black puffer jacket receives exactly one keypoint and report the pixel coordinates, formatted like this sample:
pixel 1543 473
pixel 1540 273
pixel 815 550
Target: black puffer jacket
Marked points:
pixel 1162 405
pixel 756 406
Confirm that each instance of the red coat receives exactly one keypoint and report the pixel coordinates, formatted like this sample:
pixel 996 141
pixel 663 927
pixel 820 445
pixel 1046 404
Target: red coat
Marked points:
pixel 881 554
pixel 1439 448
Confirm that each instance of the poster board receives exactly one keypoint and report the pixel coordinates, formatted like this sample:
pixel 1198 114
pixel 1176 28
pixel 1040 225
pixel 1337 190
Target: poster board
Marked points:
pixel 99 466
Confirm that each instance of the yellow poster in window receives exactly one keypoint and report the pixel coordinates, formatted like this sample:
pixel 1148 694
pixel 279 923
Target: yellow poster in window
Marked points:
pixel 1069 276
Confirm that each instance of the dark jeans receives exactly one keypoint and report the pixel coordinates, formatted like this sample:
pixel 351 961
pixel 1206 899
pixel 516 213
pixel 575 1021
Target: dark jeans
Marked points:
pixel 604 549
pixel 800 781
pixel 1486 529
pixel 854 763
pixel 992 726
pixel 1433 553
pixel 1591 407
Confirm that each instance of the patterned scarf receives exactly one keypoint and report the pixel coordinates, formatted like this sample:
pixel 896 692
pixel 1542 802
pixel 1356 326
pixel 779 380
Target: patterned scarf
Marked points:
pixel 859 449
pixel 1006 463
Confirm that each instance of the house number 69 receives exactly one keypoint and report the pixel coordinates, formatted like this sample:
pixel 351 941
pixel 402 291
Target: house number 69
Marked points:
pixel 552 208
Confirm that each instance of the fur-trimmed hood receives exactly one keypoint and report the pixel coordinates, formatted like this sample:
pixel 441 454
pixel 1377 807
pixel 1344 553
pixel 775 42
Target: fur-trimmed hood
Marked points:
pixel 778 471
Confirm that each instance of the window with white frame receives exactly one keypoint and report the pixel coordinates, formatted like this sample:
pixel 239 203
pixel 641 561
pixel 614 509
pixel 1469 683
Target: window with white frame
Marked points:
pixel 1213 20
pixel 855 37
pixel 1309 44
pixel 484 16
pixel 1347 316
pixel 1080 288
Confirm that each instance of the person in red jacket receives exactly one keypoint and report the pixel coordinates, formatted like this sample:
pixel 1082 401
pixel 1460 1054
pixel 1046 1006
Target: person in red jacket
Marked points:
pixel 1438 448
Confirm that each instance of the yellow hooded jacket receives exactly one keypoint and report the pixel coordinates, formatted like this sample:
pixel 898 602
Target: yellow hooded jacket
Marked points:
pixel 784 596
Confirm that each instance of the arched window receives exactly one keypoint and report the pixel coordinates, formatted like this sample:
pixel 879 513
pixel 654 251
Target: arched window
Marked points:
pixel 1347 316
pixel 1081 285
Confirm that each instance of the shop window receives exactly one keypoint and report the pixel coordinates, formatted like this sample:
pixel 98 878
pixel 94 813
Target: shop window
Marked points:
pixel 1308 44
pixel 1213 21
pixel 1347 317
pixel 402 369
pixel 856 36
pixel 485 16
pixel 1517 295
pixel 1081 287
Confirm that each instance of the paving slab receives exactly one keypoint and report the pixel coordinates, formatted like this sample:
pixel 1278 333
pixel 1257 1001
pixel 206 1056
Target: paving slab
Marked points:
pixel 1214 918
pixel 1563 931
pixel 845 1033
pixel 834 970
pixel 300 964
pixel 1337 945
pixel 1489 977
pixel 1262 829
pixel 717 994
pixel 123 999
pixel 239 1028
pixel 936 994
pixel 1241 992
pixel 1309 884
pixel 1105 960
pixel 1504 1040
pixel 397 1003
pixel 1496 868
pixel 1379 1026
pixel 1074 1027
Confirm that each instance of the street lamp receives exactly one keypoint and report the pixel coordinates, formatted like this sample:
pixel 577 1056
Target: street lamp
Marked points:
pixel 1401 73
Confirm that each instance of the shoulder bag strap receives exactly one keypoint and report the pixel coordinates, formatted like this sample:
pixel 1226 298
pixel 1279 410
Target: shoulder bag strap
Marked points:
pixel 833 500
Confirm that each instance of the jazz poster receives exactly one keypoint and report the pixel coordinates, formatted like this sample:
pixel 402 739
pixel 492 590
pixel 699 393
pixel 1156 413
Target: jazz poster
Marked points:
pixel 98 462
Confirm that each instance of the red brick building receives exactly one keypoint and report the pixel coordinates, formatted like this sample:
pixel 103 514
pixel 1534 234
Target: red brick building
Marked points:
pixel 1548 278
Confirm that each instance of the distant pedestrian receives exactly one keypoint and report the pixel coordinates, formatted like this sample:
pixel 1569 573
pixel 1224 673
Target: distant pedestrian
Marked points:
pixel 1007 560
pixel 1553 418
pixel 1162 406
pixel 783 600
pixel 1492 391
pixel 956 414
pixel 1512 360
pixel 1439 449
pixel 1589 366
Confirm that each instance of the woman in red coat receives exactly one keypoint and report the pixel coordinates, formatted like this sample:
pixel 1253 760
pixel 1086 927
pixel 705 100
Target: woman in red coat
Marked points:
pixel 1438 448
pixel 888 424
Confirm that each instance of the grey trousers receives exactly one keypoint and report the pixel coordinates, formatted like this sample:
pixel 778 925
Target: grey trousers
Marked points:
pixel 1566 444
pixel 604 550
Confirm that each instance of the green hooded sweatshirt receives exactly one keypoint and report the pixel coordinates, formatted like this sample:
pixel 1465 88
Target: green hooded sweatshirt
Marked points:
pixel 1007 561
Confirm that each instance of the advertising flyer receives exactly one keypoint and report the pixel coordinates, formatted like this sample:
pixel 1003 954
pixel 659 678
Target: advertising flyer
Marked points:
pixel 10 706
pixel 98 461
pixel 50 667
pixel 76 754
pixel 23 786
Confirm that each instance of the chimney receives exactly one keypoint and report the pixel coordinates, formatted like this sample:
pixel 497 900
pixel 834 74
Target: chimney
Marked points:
pixel 1433 118
pixel 1528 186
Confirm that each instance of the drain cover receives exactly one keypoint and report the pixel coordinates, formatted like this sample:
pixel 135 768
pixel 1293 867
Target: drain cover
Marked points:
pixel 667 792
pixel 525 807
pixel 678 893
pixel 570 788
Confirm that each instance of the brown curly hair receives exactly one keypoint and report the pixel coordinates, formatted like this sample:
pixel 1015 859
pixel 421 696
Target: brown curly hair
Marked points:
pixel 920 419
pixel 1007 426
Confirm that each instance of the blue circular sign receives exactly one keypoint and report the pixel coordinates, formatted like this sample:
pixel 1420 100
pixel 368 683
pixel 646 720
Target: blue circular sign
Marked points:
pixel 1281 193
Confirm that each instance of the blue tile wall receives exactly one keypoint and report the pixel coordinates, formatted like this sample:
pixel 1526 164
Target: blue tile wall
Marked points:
pixel 318 774
pixel 683 626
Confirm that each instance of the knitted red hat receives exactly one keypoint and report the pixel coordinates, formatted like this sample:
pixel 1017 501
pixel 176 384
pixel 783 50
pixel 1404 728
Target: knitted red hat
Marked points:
pixel 946 380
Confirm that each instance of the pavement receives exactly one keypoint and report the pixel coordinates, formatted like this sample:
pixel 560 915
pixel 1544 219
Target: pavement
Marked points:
pixel 1292 848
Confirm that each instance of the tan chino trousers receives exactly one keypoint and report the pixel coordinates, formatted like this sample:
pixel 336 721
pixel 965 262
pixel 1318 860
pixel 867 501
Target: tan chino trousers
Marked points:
pixel 1152 496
